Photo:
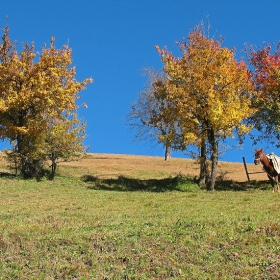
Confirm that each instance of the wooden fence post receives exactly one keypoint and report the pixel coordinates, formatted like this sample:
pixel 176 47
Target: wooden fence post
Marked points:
pixel 246 170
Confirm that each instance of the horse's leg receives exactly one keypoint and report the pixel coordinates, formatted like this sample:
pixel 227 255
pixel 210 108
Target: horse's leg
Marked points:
pixel 276 184
pixel 276 181
pixel 272 182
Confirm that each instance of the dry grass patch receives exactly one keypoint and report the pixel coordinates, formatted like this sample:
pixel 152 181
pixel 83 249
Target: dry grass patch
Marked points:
pixel 112 166
pixel 145 167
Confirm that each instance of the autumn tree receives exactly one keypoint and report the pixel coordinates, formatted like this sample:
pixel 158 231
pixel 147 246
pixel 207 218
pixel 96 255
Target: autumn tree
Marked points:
pixel 265 72
pixel 209 94
pixel 64 140
pixel 36 88
pixel 145 112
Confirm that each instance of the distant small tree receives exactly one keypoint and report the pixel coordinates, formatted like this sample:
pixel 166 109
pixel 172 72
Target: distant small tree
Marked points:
pixel 64 140
pixel 145 112
pixel 35 89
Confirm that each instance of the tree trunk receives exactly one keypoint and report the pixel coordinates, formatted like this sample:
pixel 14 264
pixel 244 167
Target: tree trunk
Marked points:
pixel 203 164
pixel 23 165
pixel 29 167
pixel 214 159
pixel 54 165
pixel 167 155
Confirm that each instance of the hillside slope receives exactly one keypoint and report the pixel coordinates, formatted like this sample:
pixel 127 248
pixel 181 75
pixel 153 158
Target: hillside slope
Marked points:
pixel 144 167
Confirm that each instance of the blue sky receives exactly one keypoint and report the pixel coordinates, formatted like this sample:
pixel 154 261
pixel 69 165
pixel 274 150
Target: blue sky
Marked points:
pixel 113 40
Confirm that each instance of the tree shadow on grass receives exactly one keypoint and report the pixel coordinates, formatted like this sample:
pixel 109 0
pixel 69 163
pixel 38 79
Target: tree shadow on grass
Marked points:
pixel 230 185
pixel 8 175
pixel 122 183
pixel 178 183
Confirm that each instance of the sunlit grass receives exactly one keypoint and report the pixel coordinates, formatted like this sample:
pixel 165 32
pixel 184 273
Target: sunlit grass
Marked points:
pixel 82 226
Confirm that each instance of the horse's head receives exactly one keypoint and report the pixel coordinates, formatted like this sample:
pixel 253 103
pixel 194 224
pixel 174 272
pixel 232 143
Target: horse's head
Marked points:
pixel 258 156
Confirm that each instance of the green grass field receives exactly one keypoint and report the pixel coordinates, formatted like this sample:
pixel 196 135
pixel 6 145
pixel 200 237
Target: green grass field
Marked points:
pixel 82 227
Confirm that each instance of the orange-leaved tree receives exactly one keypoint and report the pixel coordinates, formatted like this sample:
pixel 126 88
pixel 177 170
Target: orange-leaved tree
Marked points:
pixel 265 72
pixel 209 93
pixel 35 88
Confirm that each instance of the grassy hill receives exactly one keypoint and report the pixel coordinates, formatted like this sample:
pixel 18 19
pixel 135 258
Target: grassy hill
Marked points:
pixel 132 217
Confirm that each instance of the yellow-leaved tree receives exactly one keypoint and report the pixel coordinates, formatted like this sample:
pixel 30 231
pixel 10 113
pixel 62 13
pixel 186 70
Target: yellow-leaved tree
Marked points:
pixel 37 88
pixel 210 95
pixel 64 140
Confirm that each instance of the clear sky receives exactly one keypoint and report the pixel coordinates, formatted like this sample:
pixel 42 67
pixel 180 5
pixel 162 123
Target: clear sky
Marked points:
pixel 113 40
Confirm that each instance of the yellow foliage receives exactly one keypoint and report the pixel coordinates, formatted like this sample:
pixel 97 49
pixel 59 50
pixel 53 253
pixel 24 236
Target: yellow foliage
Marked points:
pixel 35 88
pixel 207 86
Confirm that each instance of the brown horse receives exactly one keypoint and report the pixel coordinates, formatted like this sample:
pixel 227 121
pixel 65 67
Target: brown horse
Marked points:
pixel 274 177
